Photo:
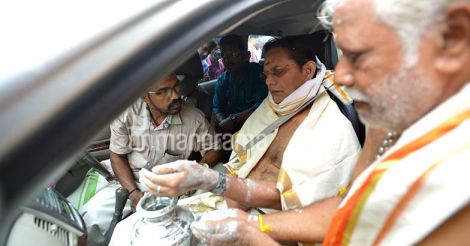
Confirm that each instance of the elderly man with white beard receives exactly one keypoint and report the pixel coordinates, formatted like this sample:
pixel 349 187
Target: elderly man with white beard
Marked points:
pixel 405 63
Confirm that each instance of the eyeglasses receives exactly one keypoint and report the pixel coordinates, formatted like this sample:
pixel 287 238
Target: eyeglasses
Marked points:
pixel 277 71
pixel 166 92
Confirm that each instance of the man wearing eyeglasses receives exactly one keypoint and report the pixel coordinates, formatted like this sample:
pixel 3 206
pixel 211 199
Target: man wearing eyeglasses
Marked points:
pixel 158 128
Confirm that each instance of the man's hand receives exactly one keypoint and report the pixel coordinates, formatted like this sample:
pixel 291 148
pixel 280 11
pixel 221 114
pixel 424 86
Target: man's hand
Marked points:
pixel 135 198
pixel 177 178
pixel 227 125
pixel 227 227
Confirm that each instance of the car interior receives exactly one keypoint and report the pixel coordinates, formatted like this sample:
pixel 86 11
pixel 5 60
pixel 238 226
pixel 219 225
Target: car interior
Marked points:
pixel 30 203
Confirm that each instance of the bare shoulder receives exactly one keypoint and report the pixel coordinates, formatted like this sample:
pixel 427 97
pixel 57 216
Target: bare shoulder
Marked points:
pixel 453 232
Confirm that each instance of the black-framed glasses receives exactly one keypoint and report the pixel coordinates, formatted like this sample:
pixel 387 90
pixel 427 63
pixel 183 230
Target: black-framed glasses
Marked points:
pixel 166 92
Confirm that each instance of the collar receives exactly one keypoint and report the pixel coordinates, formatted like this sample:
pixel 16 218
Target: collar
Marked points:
pixel 174 119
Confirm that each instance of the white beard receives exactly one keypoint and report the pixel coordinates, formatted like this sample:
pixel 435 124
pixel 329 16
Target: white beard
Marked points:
pixel 397 100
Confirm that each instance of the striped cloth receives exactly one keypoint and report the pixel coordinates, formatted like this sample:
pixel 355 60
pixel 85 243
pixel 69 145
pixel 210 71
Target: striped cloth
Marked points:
pixel 416 186
pixel 88 188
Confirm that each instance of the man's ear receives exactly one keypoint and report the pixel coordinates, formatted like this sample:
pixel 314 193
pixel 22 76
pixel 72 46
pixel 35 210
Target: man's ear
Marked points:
pixel 454 43
pixel 309 69
pixel 146 98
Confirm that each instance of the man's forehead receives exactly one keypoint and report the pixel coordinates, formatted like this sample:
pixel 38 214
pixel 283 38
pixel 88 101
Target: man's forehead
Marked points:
pixel 276 56
pixel 167 81
pixel 354 23
pixel 353 10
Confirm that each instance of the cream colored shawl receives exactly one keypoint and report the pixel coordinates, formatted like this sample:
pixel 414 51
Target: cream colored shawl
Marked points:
pixel 306 91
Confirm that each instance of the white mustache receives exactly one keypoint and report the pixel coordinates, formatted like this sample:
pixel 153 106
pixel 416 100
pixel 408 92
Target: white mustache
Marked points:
pixel 357 95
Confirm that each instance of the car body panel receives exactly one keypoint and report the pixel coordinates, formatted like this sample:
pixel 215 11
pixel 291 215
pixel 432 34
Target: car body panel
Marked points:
pixel 52 109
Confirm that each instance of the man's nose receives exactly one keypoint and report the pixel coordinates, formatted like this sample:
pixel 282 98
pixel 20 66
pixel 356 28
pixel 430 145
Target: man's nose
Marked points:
pixel 270 81
pixel 343 73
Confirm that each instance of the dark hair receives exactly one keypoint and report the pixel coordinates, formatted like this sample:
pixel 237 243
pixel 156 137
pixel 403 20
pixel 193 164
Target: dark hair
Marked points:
pixel 299 50
pixel 235 40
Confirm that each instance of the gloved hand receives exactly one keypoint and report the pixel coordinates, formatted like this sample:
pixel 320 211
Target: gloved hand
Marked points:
pixel 226 227
pixel 177 178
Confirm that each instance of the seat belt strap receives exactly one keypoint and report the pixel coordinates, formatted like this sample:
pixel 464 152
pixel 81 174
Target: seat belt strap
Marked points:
pixel 276 124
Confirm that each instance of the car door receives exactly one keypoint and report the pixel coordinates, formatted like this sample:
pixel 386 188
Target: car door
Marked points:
pixel 54 110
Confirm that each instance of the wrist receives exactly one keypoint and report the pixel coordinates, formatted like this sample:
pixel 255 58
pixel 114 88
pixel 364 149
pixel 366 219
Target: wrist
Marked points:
pixel 253 220
pixel 134 192
pixel 211 178
pixel 221 184
pixel 263 226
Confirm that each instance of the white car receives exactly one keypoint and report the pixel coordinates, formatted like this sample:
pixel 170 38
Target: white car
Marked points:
pixel 68 68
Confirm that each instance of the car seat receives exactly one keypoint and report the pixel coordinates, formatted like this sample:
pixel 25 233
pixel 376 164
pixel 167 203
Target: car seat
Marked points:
pixel 323 45
pixel 190 73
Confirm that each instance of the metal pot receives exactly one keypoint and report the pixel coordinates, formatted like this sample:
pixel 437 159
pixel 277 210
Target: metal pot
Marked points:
pixel 161 222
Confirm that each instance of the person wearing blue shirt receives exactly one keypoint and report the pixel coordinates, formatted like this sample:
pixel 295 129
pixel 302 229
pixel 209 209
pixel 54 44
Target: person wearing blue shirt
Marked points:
pixel 240 89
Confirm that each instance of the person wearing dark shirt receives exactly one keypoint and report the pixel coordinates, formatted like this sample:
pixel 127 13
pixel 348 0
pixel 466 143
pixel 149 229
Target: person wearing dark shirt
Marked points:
pixel 240 89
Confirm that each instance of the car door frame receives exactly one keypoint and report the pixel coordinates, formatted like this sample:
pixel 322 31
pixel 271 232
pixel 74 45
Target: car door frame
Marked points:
pixel 41 144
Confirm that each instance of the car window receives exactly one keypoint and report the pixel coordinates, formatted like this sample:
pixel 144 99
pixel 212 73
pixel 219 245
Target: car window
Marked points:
pixel 255 46
pixel 211 54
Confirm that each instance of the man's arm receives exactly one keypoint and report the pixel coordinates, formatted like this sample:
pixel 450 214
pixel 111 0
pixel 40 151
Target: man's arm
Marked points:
pixel 179 177
pixel 241 117
pixel 208 143
pixel 306 225
pixel 219 100
pixel 124 175
pixel 234 122
pixel 311 223
pixel 219 117
pixel 249 193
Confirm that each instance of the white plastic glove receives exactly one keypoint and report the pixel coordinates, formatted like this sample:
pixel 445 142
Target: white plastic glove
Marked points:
pixel 177 178
pixel 225 227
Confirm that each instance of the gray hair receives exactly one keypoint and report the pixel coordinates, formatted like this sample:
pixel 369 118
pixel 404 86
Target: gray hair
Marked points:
pixel 410 19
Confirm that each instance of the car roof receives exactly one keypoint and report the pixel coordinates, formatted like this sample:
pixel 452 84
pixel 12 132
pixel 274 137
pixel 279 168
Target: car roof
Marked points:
pixel 53 104
pixel 286 19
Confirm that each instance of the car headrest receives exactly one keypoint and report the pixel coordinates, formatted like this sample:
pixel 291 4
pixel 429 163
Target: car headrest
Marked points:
pixel 321 43
pixel 190 72
pixel 191 67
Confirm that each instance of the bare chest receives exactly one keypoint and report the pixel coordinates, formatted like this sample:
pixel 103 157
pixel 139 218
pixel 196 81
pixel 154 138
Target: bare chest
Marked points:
pixel 269 165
